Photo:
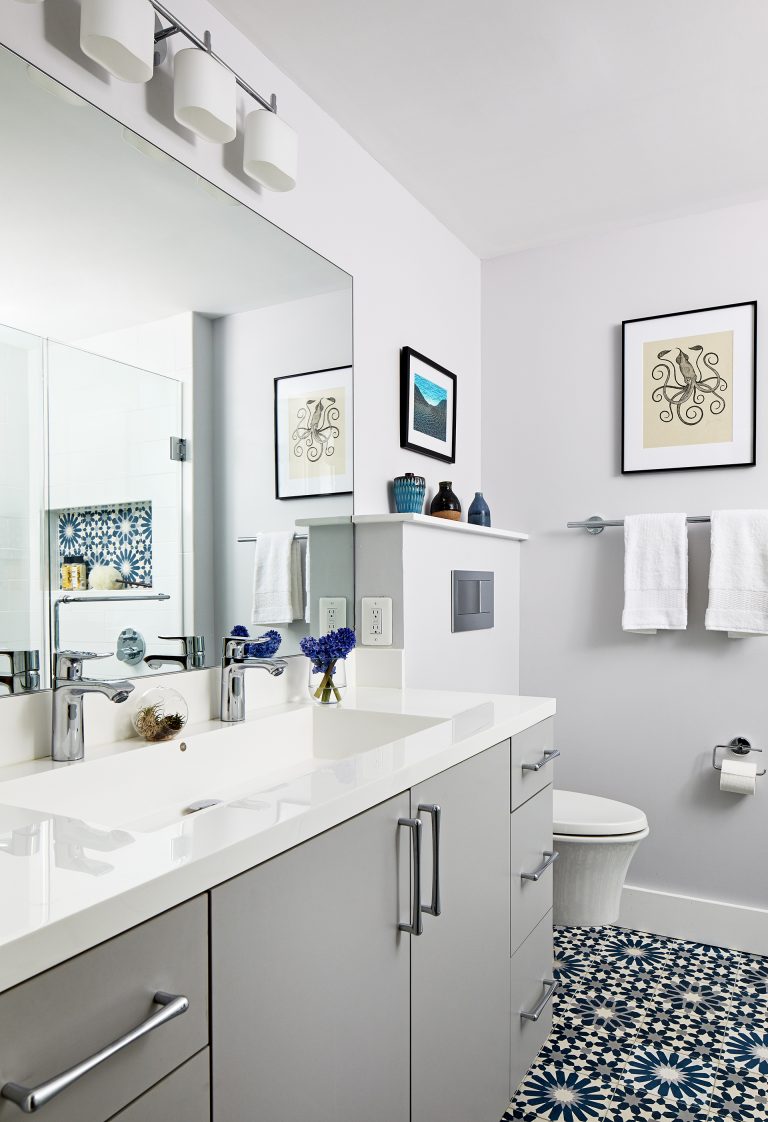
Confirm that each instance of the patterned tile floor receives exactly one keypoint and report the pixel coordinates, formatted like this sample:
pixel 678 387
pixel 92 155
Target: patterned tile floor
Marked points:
pixel 649 1029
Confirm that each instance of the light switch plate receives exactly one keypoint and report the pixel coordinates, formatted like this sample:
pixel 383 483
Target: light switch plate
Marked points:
pixel 377 621
pixel 333 613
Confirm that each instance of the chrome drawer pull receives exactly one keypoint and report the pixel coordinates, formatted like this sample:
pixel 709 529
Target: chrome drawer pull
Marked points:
pixel 416 926
pixel 31 1099
pixel 550 988
pixel 550 856
pixel 433 908
pixel 549 755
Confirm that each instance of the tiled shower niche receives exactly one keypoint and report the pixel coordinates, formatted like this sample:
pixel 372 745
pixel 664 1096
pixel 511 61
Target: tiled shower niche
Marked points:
pixel 118 534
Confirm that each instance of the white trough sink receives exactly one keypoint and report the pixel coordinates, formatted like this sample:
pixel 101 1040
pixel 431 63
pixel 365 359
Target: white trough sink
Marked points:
pixel 153 786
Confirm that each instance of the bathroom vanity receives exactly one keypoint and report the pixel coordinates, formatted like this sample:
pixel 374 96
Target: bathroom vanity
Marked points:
pixel 361 927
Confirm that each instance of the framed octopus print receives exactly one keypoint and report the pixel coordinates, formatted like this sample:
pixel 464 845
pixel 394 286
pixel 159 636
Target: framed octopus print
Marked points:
pixel 689 388
pixel 313 433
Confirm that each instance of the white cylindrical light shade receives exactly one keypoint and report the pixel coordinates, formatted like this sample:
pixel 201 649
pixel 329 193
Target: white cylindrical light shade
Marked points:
pixel 204 95
pixel 271 151
pixel 120 36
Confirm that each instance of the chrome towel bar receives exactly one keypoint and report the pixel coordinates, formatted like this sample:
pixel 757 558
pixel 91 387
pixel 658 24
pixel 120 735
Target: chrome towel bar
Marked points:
pixel 595 524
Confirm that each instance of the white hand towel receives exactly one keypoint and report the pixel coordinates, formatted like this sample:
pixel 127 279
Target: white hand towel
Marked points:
pixel 277 596
pixel 655 573
pixel 738 572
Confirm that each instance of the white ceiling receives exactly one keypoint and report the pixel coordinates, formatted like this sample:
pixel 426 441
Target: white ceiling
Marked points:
pixel 100 230
pixel 520 122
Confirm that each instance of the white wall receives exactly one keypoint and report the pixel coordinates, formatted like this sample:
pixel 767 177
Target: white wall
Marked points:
pixel 251 350
pixel 415 284
pixel 411 563
pixel 637 716
pixel 109 431
pixel 21 494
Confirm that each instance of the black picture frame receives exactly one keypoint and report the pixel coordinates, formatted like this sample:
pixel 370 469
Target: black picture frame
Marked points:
pixel 627 323
pixel 408 356
pixel 330 374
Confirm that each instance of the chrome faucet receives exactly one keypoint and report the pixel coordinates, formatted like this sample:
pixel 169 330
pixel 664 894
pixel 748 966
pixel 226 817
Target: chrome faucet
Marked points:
pixel 69 688
pixel 25 671
pixel 234 663
pixel 192 659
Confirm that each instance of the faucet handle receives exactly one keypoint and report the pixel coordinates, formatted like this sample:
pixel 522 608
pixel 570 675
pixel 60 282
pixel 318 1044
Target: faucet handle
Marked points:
pixel 234 646
pixel 194 649
pixel 69 664
pixel 23 662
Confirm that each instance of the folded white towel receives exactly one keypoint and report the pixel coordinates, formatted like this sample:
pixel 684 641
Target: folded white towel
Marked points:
pixel 738 572
pixel 277 584
pixel 655 573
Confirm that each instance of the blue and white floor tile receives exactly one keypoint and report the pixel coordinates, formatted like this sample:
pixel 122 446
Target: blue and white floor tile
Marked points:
pixel 648 1029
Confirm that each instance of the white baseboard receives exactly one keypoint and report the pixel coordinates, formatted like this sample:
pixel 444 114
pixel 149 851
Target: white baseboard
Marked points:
pixel 701 921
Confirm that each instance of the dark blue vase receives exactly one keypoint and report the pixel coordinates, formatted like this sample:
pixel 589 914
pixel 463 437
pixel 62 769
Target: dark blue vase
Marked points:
pixel 479 514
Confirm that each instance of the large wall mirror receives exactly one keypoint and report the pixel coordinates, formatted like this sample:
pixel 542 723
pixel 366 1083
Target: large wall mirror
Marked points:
pixel 176 422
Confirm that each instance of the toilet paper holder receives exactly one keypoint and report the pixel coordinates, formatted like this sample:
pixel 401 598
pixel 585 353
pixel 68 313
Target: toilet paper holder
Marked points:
pixel 740 746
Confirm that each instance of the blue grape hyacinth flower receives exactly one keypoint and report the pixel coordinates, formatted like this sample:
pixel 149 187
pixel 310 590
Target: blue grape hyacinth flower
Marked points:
pixel 265 646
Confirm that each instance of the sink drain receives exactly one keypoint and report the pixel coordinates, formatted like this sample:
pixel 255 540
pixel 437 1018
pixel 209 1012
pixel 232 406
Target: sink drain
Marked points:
pixel 201 804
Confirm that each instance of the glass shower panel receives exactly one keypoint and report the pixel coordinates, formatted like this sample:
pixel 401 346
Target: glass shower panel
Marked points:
pixel 22 505
pixel 115 510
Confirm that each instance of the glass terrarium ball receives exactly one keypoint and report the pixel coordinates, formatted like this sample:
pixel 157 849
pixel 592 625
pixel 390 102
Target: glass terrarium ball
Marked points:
pixel 159 713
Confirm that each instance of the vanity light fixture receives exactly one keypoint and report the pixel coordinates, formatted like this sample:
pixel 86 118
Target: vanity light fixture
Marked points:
pixel 204 98
pixel 271 151
pixel 128 38
pixel 120 36
pixel 204 94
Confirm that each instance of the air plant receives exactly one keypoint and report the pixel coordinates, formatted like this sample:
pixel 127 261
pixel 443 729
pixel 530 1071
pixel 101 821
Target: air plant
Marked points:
pixel 153 724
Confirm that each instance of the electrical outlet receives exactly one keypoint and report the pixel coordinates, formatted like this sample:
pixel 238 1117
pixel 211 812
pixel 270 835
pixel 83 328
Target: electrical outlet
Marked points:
pixel 333 613
pixel 377 621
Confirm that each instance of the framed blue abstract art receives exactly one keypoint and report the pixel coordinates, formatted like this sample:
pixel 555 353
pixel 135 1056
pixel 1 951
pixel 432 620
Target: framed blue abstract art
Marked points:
pixel 427 407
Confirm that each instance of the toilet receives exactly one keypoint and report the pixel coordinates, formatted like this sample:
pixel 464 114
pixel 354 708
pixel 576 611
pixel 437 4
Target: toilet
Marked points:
pixel 596 839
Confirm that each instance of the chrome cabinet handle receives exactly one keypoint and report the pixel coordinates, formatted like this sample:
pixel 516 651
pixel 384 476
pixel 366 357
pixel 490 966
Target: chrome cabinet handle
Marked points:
pixel 550 988
pixel 434 811
pixel 416 926
pixel 549 755
pixel 550 856
pixel 31 1099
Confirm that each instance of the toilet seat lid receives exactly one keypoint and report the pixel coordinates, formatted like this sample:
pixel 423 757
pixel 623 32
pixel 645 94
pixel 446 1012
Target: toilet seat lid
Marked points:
pixel 576 813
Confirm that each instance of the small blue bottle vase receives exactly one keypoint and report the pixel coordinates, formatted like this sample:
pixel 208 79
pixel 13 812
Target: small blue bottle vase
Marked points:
pixel 479 513
pixel 409 493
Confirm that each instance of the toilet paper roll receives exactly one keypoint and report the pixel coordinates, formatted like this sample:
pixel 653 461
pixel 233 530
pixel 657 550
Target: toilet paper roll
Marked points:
pixel 738 777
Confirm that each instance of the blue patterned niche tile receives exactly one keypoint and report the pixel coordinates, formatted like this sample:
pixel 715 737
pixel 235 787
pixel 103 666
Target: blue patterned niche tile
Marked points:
pixel 119 534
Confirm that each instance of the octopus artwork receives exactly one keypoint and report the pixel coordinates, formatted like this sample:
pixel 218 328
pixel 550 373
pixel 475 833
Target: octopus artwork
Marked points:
pixel 316 431
pixel 689 381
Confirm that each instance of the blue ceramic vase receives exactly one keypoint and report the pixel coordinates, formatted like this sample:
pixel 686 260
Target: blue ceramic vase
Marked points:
pixel 409 493
pixel 479 513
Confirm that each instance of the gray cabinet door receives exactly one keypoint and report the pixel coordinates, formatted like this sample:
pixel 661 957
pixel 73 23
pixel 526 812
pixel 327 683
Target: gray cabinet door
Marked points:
pixel 531 982
pixel 460 965
pixel 531 845
pixel 310 979
pixel 59 1018
pixel 183 1096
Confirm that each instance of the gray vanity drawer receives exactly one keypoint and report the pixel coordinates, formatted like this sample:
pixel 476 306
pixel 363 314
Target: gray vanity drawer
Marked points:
pixel 531 968
pixel 61 1017
pixel 183 1096
pixel 531 841
pixel 528 747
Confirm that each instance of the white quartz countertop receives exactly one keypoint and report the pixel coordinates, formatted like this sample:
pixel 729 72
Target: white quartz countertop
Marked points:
pixel 69 881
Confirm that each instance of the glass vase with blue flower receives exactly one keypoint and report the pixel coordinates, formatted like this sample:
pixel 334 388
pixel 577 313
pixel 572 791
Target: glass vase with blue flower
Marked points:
pixel 327 656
